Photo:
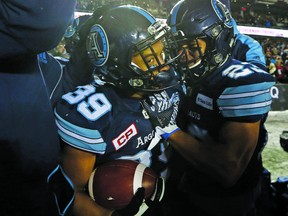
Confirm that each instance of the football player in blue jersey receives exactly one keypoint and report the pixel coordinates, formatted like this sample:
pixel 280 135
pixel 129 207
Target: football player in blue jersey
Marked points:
pixel 221 118
pixel 104 120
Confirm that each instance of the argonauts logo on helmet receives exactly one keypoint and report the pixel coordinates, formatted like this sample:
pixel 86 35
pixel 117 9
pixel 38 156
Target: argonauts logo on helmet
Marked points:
pixel 223 13
pixel 97 45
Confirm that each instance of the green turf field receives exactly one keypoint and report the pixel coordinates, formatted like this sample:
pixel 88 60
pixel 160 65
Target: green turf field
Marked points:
pixel 275 159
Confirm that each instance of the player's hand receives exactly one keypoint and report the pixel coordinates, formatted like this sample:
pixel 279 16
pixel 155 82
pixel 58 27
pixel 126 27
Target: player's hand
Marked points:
pixel 158 193
pixel 133 207
pixel 153 201
pixel 162 111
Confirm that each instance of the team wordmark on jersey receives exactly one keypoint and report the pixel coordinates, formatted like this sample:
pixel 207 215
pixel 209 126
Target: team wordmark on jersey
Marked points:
pixel 143 140
pixel 194 115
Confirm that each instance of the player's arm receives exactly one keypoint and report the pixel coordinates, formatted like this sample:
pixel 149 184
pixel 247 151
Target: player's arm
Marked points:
pixel 80 147
pixel 79 165
pixel 225 160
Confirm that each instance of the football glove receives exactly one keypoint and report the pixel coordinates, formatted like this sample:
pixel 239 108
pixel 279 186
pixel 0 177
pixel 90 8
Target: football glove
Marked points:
pixel 133 207
pixel 153 202
pixel 138 205
pixel 162 112
pixel 158 193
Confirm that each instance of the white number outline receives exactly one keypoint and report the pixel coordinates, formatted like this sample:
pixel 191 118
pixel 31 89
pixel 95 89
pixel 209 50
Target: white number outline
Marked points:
pixel 96 106
pixel 236 71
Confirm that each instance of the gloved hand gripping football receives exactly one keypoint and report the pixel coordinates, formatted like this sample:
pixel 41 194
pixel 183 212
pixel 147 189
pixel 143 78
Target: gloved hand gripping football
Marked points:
pixel 162 112
pixel 139 204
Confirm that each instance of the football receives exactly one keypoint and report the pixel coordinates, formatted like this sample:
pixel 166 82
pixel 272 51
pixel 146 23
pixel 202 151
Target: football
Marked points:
pixel 113 184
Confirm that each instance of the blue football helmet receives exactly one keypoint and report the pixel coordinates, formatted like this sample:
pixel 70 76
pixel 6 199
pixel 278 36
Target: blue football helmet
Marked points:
pixel 120 33
pixel 227 4
pixel 71 36
pixel 209 20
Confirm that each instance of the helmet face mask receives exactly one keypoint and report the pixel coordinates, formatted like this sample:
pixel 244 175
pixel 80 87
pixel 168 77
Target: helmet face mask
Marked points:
pixel 209 20
pixel 152 66
pixel 192 56
pixel 123 33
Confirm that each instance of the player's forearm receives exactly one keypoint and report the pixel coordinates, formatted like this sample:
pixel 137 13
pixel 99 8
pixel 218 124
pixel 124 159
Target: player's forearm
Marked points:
pixel 213 159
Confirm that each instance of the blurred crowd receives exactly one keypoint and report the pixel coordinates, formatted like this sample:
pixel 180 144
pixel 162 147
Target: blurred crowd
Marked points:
pixel 158 8
pixel 260 20
pixel 247 15
pixel 276 50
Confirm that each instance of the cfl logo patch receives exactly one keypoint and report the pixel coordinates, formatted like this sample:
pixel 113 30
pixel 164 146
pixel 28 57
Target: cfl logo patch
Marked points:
pixel 125 136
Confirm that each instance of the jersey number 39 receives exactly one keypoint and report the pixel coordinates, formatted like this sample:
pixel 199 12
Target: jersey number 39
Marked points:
pixel 94 107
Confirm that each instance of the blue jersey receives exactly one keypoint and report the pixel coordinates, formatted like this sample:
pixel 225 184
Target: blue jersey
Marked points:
pixel 97 119
pixel 246 49
pixel 61 77
pixel 237 91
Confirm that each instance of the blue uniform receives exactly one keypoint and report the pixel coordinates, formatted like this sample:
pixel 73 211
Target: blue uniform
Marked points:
pixel 97 119
pixel 29 145
pixel 246 49
pixel 61 77
pixel 238 92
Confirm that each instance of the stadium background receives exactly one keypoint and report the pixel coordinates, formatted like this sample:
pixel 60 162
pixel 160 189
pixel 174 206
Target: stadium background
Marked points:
pixel 265 21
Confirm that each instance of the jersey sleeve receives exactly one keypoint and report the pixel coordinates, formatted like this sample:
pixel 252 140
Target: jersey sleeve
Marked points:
pixel 80 137
pixel 33 26
pixel 78 119
pixel 248 97
pixel 246 49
